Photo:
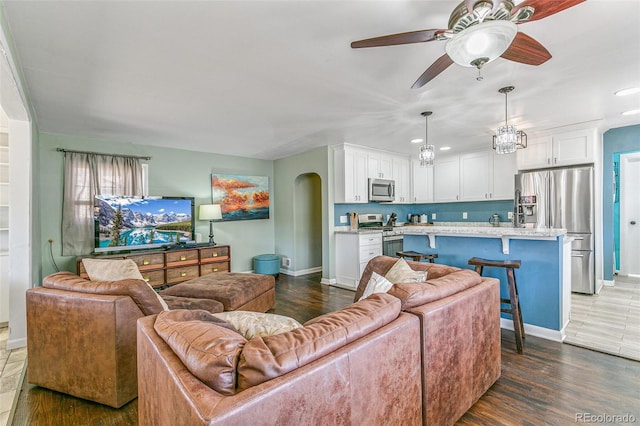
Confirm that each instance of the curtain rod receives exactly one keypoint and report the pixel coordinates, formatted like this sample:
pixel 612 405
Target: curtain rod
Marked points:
pixel 101 153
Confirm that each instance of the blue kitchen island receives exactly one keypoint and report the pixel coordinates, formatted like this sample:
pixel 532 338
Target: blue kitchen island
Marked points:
pixel 543 279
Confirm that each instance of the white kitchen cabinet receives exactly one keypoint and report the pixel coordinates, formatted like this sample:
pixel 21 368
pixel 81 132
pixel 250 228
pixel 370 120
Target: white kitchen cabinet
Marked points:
pixel 379 166
pixel 353 252
pixel 475 176
pixel 446 180
pixel 504 170
pixel 421 183
pixel 402 177
pixel 350 176
pixel 573 147
pixel 559 149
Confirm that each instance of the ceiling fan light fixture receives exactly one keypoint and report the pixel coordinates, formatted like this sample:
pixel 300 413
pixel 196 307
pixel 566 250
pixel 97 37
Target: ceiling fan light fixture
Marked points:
pixel 508 138
pixel 485 41
pixel 427 151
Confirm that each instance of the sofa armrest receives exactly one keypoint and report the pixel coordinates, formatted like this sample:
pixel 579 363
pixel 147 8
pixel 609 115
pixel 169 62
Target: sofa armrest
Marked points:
pixel 461 350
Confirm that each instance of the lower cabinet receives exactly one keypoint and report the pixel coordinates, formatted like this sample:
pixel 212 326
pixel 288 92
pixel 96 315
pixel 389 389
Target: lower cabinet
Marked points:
pixel 160 268
pixel 353 252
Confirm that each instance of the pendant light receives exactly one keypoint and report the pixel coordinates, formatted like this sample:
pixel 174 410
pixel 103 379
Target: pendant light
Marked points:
pixel 427 152
pixel 508 138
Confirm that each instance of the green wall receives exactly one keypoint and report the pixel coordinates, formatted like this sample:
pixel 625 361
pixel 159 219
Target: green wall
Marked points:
pixel 172 172
pixel 287 171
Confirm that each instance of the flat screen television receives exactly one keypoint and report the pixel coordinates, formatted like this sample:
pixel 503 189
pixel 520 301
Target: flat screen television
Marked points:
pixel 131 223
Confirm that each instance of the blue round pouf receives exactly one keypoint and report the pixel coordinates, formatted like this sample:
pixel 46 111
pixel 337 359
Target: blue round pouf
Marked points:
pixel 266 264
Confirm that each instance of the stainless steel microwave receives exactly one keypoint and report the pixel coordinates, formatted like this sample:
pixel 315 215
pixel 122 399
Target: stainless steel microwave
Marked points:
pixel 382 190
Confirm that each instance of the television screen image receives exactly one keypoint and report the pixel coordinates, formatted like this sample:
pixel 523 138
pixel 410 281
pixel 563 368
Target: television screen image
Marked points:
pixel 125 223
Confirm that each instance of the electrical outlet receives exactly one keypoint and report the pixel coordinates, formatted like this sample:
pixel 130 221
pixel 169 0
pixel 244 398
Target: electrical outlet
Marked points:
pixel 433 216
pixel 509 215
pixel 343 219
pixel 464 215
pixel 286 262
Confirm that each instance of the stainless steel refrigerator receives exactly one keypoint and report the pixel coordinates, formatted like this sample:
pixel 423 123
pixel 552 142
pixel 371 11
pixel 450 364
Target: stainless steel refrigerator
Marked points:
pixel 563 198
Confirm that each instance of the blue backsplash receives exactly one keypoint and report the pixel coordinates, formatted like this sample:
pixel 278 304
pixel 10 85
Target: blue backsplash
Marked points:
pixel 479 211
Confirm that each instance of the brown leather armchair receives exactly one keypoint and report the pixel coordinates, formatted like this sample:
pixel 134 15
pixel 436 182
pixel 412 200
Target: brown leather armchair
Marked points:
pixel 81 335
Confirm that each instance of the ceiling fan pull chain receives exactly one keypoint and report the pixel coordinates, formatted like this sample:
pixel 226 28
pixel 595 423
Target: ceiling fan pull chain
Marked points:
pixel 479 77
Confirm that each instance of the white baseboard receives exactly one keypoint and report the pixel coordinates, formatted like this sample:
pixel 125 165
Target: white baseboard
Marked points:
pixel 608 283
pixel 534 330
pixel 328 281
pixel 301 272
pixel 16 343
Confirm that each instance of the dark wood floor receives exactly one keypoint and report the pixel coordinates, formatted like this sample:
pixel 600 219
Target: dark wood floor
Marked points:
pixel 551 384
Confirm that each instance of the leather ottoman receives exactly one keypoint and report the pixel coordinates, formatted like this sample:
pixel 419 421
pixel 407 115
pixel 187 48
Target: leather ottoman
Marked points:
pixel 236 291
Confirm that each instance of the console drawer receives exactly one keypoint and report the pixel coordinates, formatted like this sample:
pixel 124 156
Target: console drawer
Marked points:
pixel 177 275
pixel 212 267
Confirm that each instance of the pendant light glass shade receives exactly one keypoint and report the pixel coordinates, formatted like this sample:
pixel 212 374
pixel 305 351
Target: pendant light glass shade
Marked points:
pixel 427 152
pixel 508 138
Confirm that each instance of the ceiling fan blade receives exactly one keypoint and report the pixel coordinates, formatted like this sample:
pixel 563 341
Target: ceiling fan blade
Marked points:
pixel 441 64
pixel 544 8
pixel 401 38
pixel 526 50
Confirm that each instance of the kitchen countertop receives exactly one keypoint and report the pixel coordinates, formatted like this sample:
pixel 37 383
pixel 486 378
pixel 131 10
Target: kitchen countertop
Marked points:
pixel 485 231
pixel 498 231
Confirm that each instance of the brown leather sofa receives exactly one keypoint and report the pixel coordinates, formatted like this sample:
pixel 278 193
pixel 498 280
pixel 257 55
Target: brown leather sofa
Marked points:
pixel 359 365
pixel 81 335
pixel 454 355
pixel 459 314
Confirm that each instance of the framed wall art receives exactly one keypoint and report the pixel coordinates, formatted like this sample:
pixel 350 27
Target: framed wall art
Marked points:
pixel 241 197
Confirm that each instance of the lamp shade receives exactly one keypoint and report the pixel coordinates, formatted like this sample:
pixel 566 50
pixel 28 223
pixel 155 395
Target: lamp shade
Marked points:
pixel 210 212
pixel 481 43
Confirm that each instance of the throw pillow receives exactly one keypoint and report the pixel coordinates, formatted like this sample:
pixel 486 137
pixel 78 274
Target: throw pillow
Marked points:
pixel 252 324
pixel 377 284
pixel 115 270
pixel 208 349
pixel 402 272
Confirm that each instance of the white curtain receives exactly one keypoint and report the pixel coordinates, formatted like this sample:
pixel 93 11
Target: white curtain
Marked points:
pixel 85 176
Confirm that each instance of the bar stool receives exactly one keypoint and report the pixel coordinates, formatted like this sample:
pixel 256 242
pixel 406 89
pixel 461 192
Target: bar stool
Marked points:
pixel 513 301
pixel 414 255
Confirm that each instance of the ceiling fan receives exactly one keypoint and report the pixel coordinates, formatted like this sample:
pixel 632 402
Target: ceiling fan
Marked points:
pixel 480 31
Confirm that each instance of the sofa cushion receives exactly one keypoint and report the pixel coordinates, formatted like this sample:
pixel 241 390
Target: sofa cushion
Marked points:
pixel 402 272
pixel 416 294
pixel 209 305
pixel 206 345
pixel 377 284
pixel 116 270
pixel 252 324
pixel 264 358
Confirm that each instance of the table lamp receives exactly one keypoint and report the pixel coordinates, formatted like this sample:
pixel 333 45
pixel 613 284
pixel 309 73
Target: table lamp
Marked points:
pixel 210 212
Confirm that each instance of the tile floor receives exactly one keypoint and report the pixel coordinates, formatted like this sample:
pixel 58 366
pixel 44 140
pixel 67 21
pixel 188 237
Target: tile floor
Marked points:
pixel 608 322
pixel 12 365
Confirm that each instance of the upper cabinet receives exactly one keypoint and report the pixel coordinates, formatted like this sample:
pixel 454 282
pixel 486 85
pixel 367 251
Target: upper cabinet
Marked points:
pixel 350 176
pixel 421 183
pixel 402 177
pixel 560 149
pixel 379 166
pixel 477 176
pixel 504 171
pixel 446 180
pixel 354 166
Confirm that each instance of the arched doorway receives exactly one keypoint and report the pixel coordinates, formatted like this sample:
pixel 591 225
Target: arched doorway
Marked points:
pixel 307 218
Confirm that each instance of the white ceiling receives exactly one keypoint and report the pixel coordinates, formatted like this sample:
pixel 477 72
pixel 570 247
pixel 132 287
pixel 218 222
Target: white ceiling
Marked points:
pixel 268 79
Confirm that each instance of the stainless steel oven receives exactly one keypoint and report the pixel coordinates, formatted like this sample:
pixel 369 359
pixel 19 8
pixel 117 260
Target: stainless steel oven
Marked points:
pixel 391 243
